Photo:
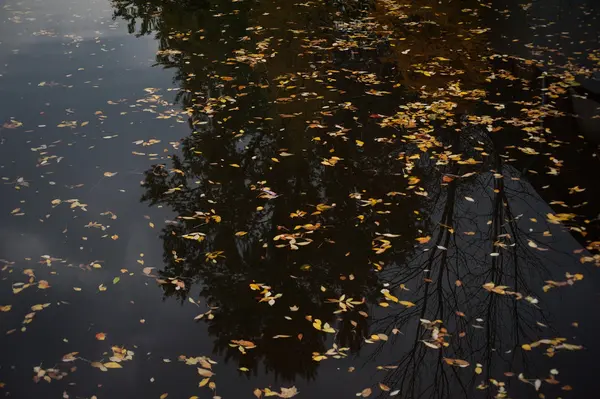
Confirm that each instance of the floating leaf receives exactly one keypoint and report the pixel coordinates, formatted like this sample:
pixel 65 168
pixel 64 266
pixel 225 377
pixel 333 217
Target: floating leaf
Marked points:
pixel 205 373
pixel 112 365
pixel 456 362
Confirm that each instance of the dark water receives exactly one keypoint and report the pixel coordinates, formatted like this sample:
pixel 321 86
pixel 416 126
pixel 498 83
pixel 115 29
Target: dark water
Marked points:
pixel 332 185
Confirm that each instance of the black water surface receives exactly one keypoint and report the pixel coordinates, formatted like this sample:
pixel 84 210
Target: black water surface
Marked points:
pixel 321 195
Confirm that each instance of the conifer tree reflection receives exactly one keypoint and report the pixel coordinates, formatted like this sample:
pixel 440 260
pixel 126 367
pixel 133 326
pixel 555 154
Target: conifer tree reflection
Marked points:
pixel 234 184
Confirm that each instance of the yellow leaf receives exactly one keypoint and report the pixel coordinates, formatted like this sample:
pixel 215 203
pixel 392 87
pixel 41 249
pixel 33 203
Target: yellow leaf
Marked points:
pixel 164 395
pixel 407 304
pixel 99 365
pixel 389 296
pixel 100 336
pixel 110 174
pixel 204 382
pixel 38 307
pixel 526 347
pixel 382 337
pixel 113 365
pixel 366 392
pixel 257 392
pixel 423 240
pixel 205 373
pixel 360 143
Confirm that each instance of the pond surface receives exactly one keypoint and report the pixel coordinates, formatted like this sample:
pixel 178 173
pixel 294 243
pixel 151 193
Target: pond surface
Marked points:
pixel 319 199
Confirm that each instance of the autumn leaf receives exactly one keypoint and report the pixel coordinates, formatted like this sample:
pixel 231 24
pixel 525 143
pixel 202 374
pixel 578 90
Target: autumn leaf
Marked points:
pixel 99 365
pixel 69 357
pixel 456 362
pixel 204 373
pixel 423 240
pixel 204 382
pixel 383 387
pixel 43 284
pixel 101 336
pixel 112 365
pixel 288 392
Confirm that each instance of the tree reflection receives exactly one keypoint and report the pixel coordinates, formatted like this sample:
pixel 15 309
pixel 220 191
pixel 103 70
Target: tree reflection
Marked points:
pixel 231 177
pixel 276 185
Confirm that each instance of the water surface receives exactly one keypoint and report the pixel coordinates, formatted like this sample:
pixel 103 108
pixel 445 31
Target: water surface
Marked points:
pixel 324 199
